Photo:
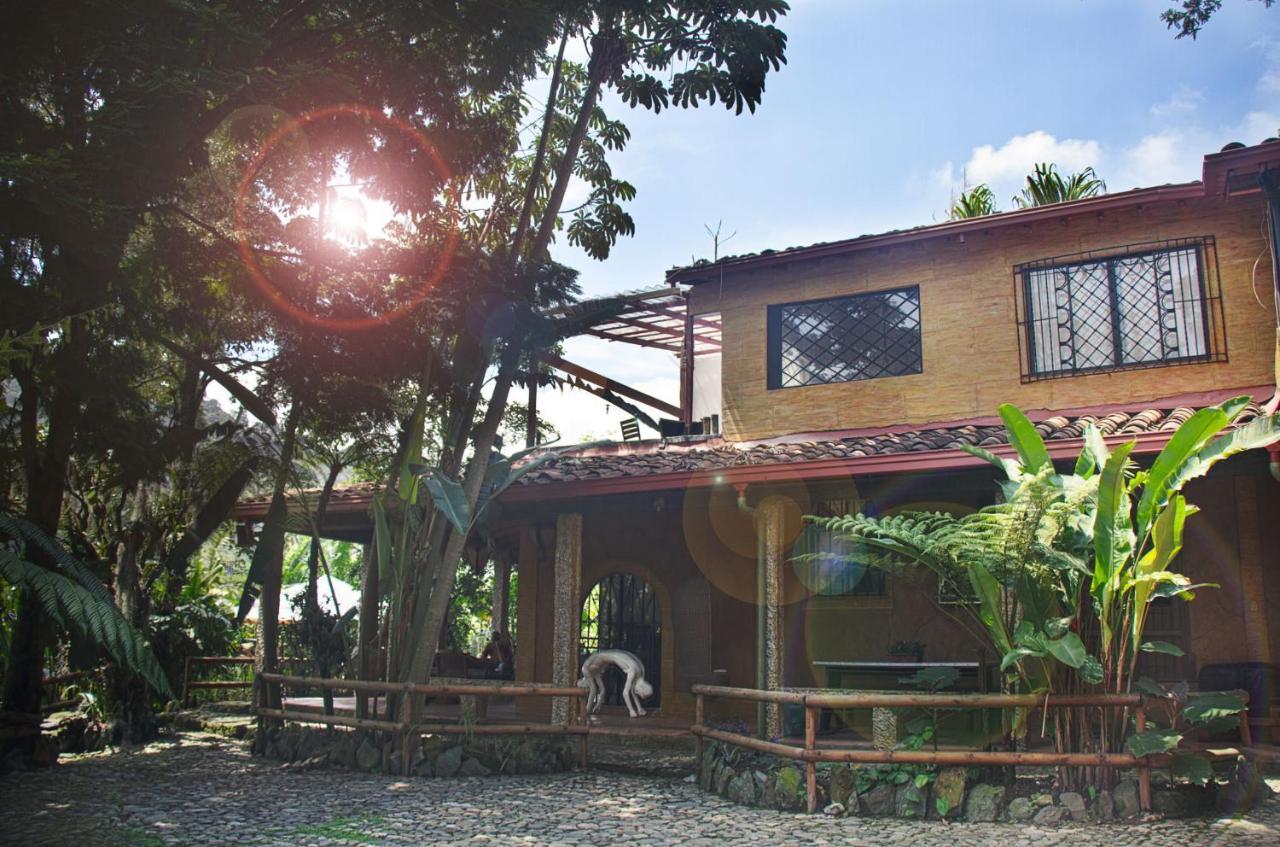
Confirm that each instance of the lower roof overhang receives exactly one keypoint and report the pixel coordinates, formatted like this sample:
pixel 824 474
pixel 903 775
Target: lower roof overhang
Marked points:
pixel 781 473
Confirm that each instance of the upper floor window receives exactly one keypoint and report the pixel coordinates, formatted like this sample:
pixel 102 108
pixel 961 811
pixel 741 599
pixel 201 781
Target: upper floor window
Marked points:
pixel 1149 305
pixel 846 338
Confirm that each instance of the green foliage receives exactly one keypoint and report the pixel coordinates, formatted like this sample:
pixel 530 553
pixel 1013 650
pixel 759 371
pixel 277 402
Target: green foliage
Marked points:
pixel 1046 186
pixel 1192 15
pixel 977 202
pixel 352 829
pixel 915 778
pixel 77 601
pixel 1063 572
pixel 1157 740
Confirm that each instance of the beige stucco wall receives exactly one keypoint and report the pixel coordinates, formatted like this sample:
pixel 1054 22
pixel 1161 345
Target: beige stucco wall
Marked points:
pixel 970 332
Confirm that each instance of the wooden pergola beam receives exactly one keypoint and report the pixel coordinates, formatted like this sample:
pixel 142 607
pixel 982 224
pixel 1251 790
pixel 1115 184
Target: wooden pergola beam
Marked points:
pixel 630 339
pixel 607 384
pixel 672 313
pixel 674 333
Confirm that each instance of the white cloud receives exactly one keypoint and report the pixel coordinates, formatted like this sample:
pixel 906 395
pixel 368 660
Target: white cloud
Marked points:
pixel 1016 157
pixel 1155 160
pixel 1181 103
pixel 1269 82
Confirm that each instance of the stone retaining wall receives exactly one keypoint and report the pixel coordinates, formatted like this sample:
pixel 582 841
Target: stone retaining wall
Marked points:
pixel 436 756
pixel 756 779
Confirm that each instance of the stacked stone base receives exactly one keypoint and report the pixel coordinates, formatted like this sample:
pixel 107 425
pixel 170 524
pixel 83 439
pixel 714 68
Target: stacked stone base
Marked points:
pixel 436 756
pixel 755 779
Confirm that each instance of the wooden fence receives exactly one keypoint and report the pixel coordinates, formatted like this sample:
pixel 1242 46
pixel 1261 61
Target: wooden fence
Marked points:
pixel 410 727
pixel 54 683
pixel 189 685
pixel 813 702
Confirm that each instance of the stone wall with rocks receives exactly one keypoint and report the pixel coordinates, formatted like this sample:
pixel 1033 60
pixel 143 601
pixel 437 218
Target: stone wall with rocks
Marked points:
pixel 437 756
pixel 757 779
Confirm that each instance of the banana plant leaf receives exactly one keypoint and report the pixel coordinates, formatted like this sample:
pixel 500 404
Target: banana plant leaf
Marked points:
pixel 1025 438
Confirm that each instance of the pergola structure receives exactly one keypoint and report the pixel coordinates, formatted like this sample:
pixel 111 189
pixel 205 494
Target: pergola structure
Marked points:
pixel 656 318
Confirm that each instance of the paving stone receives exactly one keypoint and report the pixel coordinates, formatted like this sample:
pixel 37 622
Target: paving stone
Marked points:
pixel 201 790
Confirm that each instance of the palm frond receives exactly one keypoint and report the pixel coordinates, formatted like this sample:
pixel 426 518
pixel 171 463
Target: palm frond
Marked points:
pixel 30 535
pixel 86 612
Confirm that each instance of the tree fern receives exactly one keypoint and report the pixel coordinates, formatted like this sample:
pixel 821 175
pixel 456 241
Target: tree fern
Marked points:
pixel 79 602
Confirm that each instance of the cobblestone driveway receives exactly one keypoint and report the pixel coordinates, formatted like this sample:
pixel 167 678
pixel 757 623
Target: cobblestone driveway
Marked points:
pixel 209 792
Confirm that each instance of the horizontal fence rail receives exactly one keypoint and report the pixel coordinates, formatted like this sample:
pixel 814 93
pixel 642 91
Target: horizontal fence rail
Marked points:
pixel 189 684
pixel 813 702
pixel 409 727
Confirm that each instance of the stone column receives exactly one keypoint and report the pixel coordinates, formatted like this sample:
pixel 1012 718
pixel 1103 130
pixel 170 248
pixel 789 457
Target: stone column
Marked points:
pixel 501 591
pixel 367 647
pixel 528 567
pixel 566 621
pixel 1252 568
pixel 769 533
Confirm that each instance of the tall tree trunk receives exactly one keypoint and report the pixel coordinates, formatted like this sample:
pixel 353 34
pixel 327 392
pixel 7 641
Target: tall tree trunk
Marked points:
pixel 45 470
pixel 270 550
pixel 435 592
pixel 318 633
pixel 605 54
pixel 367 649
pixel 539 159
pixel 136 720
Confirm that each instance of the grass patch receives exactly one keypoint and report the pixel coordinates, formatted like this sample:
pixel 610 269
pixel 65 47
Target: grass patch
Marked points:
pixel 343 828
pixel 134 837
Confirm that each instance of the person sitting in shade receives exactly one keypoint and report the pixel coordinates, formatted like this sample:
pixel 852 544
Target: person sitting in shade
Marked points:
pixel 500 650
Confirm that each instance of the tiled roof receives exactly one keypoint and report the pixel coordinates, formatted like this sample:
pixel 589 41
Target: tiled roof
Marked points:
pixel 353 492
pixel 664 458
pixel 655 458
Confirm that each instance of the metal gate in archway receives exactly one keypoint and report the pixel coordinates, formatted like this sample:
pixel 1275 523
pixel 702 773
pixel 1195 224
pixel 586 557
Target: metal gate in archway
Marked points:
pixel 621 612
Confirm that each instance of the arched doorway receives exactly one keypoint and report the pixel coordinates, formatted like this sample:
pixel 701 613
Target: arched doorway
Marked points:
pixel 622 612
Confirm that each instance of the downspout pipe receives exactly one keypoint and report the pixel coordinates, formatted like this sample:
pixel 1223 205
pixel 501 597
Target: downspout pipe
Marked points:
pixel 1269 180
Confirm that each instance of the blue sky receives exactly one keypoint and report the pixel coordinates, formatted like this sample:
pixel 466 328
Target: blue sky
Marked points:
pixel 881 109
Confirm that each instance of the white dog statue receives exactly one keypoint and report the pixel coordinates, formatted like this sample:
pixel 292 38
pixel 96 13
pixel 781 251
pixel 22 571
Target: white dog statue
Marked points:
pixel 633 691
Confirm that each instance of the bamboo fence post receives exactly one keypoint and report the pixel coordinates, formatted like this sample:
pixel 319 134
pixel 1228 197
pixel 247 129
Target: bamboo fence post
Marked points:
pixel 697 720
pixel 1144 765
pixel 406 733
pixel 811 766
pixel 186 679
pixel 582 739
pixel 1246 731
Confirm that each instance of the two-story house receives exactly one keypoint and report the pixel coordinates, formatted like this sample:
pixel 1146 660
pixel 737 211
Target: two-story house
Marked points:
pixel 847 375
pixel 844 376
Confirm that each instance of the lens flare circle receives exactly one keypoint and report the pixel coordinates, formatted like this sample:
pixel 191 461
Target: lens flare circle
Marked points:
pixel 259 277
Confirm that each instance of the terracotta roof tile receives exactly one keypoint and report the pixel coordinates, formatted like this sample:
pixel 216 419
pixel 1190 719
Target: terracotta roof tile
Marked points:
pixel 651 458
pixel 639 459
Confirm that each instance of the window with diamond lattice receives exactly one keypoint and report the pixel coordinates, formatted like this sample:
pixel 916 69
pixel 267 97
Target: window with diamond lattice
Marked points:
pixel 1137 309
pixel 844 339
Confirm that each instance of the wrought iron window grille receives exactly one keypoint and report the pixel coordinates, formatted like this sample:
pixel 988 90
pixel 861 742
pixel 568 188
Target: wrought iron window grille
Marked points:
pixel 1135 306
pixel 843 339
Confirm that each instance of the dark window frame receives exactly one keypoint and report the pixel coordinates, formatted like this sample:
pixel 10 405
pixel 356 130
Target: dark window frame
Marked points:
pixel 774 331
pixel 1211 324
